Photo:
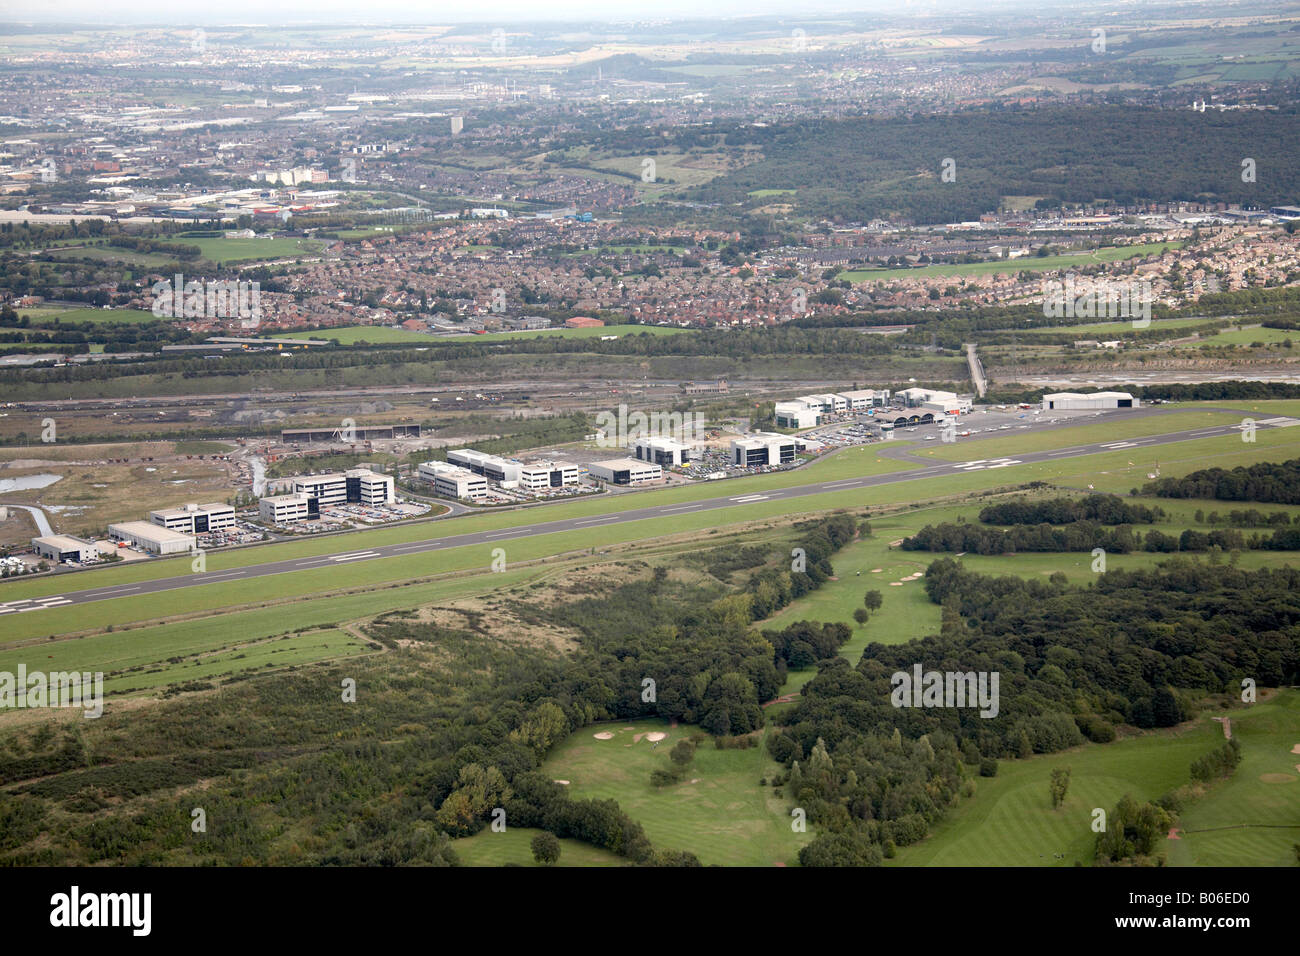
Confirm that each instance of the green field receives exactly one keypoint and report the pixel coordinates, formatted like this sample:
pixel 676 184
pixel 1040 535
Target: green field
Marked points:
pixel 1243 338
pixel 223 251
pixel 510 847
pixel 1013 266
pixel 1010 820
pixel 43 313
pixel 1108 329
pixel 719 812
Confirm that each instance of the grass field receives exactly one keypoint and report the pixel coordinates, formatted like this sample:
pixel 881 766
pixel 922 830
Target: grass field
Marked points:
pixel 1012 266
pixel 1010 820
pixel 719 813
pixel 1243 338
pixel 45 313
pixel 1107 329
pixel 224 251
pixel 510 847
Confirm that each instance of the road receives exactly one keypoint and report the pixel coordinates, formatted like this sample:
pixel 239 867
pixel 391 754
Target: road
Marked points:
pixel 499 537
pixel 976 369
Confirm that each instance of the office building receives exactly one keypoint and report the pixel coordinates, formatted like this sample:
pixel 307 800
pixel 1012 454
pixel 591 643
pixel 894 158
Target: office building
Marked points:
pixel 195 519
pixel 541 475
pixel 625 471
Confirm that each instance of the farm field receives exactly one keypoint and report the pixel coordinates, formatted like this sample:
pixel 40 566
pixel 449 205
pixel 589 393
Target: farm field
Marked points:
pixel 351 335
pixel 1243 338
pixel 1010 820
pixel 719 813
pixel 43 313
pixel 1012 266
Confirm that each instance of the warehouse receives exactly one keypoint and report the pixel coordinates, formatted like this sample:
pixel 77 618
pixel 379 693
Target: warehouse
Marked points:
pixel 661 451
pixel 282 509
pixel 506 473
pixel 453 481
pixel 60 548
pixel 195 519
pixel 146 536
pixel 1064 401
pixel 763 448
pixel 541 475
pixel 797 414
pixel 625 471
pixel 932 400
pixel 346 434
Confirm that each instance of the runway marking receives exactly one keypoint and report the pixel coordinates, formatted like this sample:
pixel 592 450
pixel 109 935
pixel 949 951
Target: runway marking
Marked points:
pixel 1117 445
pixel 1282 422
pixel 681 507
pixel 355 557
pixel 418 544
pixel 594 520
pixel 22 605
pixel 225 574
pixel 134 587
pixel 845 484
pixel 746 499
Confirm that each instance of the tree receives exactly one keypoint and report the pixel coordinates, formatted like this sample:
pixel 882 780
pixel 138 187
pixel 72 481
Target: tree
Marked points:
pixel 1059 785
pixel 861 615
pixel 546 848
pixel 873 600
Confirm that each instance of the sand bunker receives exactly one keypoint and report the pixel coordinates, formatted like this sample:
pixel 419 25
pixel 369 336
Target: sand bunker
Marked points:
pixel 603 735
pixel 656 736
pixel 895 584
pixel 1296 749
pixel 561 782
pixel 876 570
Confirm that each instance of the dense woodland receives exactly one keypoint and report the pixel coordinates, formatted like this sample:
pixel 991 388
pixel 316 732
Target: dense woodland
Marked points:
pixel 1276 482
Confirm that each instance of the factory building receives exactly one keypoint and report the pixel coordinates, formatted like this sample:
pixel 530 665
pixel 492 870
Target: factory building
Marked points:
pixel 506 473
pixel 147 536
pixel 453 481
pixel 283 509
pixel 1092 400
pixel 661 451
pixel 763 448
pixel 195 519
pixel 61 548
pixel 625 471
pixel 541 475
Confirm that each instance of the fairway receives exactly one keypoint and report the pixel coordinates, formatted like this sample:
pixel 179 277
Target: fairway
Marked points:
pixel 1013 266
pixel 1010 820
pixel 719 812
pixel 510 848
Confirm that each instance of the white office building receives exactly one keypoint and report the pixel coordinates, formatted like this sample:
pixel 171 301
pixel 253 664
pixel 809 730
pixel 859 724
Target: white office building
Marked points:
pixel 453 481
pixel 356 485
pixel 195 519
pixel 661 451
pixel 505 473
pixel 865 398
pixel 542 475
pixel 933 400
pixel 1090 400
pixel 763 448
pixel 147 536
pixel 797 414
pixel 285 509
pixel 625 471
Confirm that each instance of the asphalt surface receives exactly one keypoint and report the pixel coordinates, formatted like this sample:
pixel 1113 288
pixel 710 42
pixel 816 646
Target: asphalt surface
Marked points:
pixel 495 538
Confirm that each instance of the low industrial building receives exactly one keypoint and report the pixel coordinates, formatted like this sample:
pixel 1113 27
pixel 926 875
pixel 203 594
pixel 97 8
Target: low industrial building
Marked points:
pixel 61 548
pixel 453 481
pixel 147 536
pixel 1064 401
pixel 284 509
pixel 763 448
pixel 506 473
pixel 661 451
pixel 541 475
pixel 348 434
pixel 625 471
pixel 195 519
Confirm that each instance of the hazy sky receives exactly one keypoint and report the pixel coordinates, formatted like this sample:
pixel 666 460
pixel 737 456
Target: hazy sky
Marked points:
pixel 181 12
